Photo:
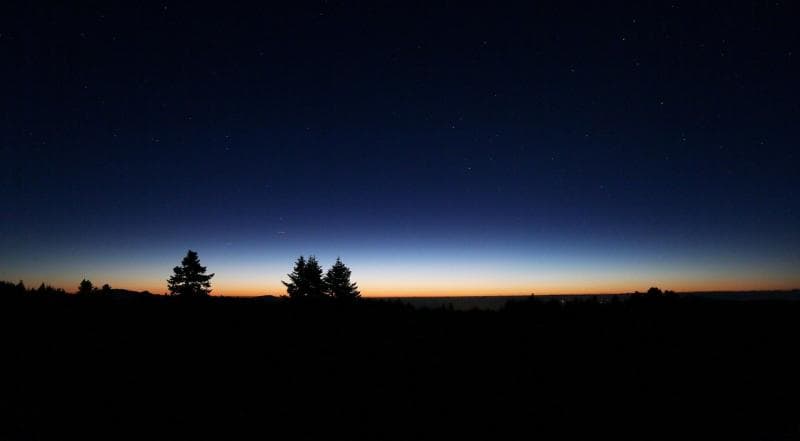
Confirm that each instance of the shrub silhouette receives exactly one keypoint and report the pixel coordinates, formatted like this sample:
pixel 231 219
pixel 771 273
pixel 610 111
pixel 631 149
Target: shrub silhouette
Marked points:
pixel 85 288
pixel 190 278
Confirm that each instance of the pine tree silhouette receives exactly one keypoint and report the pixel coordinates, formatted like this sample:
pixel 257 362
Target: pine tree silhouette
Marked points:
pixel 190 279
pixel 338 284
pixel 296 287
pixel 313 276
pixel 305 280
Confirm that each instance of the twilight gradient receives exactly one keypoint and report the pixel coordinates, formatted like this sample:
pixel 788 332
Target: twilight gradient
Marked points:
pixel 473 262
pixel 438 148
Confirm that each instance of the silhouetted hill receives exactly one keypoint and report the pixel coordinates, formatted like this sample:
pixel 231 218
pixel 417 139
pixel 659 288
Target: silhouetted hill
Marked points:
pixel 458 303
pixel 465 303
pixel 793 295
pixel 660 367
pixel 126 293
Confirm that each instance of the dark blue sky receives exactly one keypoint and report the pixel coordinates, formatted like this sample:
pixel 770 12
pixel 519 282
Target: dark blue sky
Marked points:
pixel 437 147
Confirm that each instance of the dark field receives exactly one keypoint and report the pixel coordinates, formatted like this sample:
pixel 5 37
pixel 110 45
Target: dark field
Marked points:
pixel 645 367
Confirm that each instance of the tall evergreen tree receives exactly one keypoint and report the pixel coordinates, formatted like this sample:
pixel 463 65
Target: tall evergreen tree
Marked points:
pixel 305 280
pixel 190 279
pixel 313 276
pixel 296 288
pixel 338 284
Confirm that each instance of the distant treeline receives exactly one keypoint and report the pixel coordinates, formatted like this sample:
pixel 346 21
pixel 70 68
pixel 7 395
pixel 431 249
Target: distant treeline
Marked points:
pixel 302 291
pixel 190 279
pixel 308 282
pixel 8 288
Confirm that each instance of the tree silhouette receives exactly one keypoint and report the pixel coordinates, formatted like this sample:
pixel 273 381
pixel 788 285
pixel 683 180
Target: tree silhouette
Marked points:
pixel 106 289
pixel 190 279
pixel 20 288
pixel 296 287
pixel 338 284
pixel 654 291
pixel 85 287
pixel 305 280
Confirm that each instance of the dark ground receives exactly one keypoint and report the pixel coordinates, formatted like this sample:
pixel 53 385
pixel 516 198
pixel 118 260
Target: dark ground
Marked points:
pixel 164 368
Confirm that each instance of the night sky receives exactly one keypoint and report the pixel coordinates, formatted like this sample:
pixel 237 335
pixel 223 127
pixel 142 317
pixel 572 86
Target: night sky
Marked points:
pixel 438 148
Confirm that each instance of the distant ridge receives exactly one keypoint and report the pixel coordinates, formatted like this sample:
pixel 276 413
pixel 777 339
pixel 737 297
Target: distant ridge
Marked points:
pixel 489 302
pixel 118 293
pixel 747 295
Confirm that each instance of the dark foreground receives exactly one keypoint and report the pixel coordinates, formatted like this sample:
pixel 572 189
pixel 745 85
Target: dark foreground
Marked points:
pixel 162 368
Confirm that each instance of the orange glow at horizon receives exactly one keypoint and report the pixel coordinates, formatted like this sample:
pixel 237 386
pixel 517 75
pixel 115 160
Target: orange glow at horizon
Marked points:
pixel 432 277
pixel 453 290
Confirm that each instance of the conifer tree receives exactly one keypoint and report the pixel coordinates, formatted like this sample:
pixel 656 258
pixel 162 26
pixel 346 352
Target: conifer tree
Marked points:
pixel 313 276
pixel 338 284
pixel 190 279
pixel 295 288
pixel 305 280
